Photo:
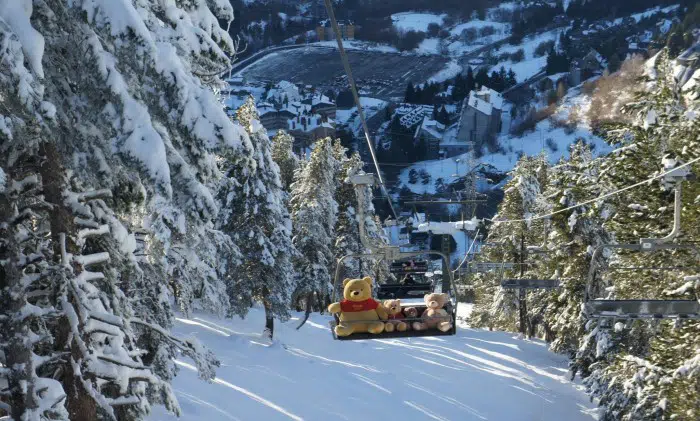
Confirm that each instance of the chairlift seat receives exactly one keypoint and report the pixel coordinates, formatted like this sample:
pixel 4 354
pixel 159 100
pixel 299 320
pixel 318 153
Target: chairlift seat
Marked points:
pixel 643 309
pixel 396 334
pixel 529 283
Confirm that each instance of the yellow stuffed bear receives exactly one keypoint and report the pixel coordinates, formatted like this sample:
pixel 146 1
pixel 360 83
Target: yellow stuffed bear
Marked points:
pixel 357 307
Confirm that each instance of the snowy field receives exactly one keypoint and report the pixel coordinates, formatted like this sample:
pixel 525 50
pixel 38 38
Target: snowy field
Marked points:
pixel 410 21
pixel 531 65
pixel 306 375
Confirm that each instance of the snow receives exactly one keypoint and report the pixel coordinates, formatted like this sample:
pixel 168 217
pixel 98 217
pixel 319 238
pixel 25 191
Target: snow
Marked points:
pixel 305 374
pixel 444 228
pixel 429 46
pixel 16 14
pixel 408 21
pixel 451 70
pixel 649 12
pixel 3 181
pixel 438 168
pixel 531 65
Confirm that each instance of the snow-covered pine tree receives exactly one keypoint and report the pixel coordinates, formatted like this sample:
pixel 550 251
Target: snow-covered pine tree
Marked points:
pixel 347 230
pixel 347 234
pixel 256 217
pixel 571 236
pixel 314 214
pixel 640 369
pixel 495 307
pixel 127 106
pixel 283 155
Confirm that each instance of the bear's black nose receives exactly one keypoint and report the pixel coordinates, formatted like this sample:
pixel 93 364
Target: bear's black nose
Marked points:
pixel 356 293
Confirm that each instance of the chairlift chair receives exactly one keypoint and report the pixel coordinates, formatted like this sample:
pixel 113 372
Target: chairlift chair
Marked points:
pixel 647 308
pixel 410 297
pixel 638 308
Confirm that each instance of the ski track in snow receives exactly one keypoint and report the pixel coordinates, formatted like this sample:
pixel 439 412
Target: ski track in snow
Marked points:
pixel 306 375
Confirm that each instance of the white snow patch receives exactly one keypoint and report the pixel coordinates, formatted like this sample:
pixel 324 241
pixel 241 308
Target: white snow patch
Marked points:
pixel 456 377
pixel 410 21
pixel 16 14
pixel 451 70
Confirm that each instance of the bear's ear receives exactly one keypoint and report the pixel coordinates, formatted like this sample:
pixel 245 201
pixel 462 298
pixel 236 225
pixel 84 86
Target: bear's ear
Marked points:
pixel 367 280
pixel 345 282
pixel 445 298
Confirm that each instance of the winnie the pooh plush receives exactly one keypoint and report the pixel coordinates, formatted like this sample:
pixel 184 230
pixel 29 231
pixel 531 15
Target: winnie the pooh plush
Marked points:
pixel 434 315
pixel 363 313
pixel 394 316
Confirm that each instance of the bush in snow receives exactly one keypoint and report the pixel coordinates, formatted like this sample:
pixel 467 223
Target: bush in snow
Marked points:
pixel 543 48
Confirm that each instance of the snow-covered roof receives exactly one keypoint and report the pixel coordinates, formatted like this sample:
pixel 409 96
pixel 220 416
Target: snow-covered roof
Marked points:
pixel 282 89
pixel 555 77
pixel 433 127
pixel 411 115
pixel 485 100
pixel 321 99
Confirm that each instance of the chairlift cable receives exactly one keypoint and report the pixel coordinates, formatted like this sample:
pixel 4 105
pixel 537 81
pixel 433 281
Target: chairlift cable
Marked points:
pixel 361 114
pixel 616 192
pixel 466 256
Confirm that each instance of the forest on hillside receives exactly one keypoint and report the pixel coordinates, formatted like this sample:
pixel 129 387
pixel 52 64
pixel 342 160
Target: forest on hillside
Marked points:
pixel 638 369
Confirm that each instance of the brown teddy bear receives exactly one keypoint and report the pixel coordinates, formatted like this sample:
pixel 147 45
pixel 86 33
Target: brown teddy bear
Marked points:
pixel 394 316
pixel 359 312
pixel 434 315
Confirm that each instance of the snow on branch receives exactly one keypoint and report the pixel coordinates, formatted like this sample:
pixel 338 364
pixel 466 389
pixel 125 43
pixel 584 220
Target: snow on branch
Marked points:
pixel 204 359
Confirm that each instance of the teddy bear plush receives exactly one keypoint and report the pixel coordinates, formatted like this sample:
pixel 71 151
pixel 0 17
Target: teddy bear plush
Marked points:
pixel 434 315
pixel 394 316
pixel 359 312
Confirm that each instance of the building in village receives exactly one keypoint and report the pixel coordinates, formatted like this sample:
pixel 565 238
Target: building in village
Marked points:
pixel 586 67
pixel 433 133
pixel 479 122
pixel 304 114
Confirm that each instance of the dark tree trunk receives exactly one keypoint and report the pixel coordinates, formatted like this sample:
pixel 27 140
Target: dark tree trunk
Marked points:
pixel 307 313
pixel 80 406
pixel 269 317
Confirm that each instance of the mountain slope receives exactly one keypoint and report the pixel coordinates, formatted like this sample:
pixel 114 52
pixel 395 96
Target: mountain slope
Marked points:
pixel 475 375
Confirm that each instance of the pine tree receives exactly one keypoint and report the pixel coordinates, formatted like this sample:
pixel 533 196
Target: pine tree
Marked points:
pixel 497 308
pixel 284 157
pixel 410 96
pixel 469 81
pixel 648 355
pixel 257 219
pixel 133 146
pixel 314 214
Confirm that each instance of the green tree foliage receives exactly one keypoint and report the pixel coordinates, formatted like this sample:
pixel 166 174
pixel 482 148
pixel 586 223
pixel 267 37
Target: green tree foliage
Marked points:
pixel 637 369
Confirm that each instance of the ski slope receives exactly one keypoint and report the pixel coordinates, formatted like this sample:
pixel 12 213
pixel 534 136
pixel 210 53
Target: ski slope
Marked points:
pixel 306 375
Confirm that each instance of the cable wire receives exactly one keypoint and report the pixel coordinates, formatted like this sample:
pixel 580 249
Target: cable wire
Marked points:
pixel 605 196
pixel 466 256
pixel 360 112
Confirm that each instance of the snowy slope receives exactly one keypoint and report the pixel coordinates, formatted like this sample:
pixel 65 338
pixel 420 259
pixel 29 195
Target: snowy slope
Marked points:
pixel 410 21
pixel 475 375
pixel 531 65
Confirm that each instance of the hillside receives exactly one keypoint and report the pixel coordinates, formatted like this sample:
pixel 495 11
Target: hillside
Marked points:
pixel 306 375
